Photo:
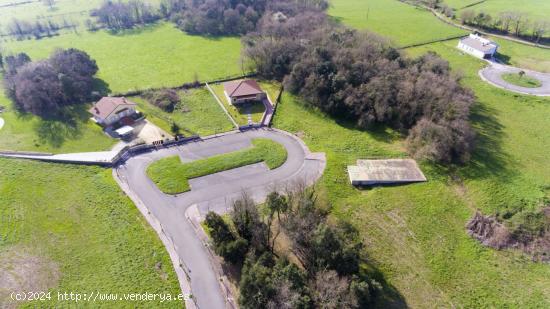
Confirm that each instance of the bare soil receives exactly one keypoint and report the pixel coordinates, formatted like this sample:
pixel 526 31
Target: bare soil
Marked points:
pixel 21 271
pixel 492 233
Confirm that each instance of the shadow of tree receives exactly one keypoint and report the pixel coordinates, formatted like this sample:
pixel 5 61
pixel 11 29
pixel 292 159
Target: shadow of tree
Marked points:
pixel 488 158
pixel 379 132
pixel 67 123
pixel 137 30
pixel 503 58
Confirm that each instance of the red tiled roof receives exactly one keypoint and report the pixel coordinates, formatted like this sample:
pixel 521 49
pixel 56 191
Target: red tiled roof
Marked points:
pixel 240 88
pixel 107 105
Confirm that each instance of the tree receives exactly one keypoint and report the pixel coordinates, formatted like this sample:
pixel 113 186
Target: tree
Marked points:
pixel 49 3
pixel 43 87
pixel 166 99
pixel 467 16
pixel 231 248
pixel 248 223
pixel 276 204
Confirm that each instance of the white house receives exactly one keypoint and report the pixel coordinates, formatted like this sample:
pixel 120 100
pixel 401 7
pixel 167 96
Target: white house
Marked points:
pixel 478 46
pixel 109 110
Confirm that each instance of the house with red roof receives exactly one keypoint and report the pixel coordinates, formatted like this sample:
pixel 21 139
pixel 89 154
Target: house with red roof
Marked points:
pixel 243 91
pixel 110 110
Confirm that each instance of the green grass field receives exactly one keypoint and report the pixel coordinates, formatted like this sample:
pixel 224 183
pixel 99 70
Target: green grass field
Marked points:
pixel 534 9
pixel 76 218
pixel 72 10
pixel 171 175
pixel 523 81
pixel 390 18
pixel 155 56
pixel 257 110
pixel 197 113
pixel 523 56
pixel 26 132
pixel 415 234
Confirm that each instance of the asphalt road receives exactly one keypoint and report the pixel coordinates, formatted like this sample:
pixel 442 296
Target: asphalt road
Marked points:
pixel 494 71
pixel 214 192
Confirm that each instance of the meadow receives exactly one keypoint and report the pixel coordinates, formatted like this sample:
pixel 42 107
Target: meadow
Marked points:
pixel 26 132
pixel 390 18
pixel 171 175
pixel 534 9
pixel 198 113
pixel 415 235
pixel 76 219
pixel 150 57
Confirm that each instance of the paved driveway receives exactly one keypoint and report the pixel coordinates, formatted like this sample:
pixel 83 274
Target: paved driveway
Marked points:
pixel 213 193
pixel 492 74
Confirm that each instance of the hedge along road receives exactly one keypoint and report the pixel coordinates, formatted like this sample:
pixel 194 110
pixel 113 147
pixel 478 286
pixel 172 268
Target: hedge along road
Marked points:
pixel 213 192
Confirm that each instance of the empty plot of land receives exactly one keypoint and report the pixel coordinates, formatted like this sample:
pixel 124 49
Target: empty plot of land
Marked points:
pixel 393 171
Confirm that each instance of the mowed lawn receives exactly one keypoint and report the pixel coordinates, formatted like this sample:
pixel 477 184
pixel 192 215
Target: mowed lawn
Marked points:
pixel 76 220
pixel 72 10
pixel 523 56
pixel 402 23
pixel 172 176
pixel 26 132
pixel 155 56
pixel 197 113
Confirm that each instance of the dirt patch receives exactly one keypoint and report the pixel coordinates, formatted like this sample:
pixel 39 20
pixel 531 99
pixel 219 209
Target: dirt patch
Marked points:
pixel 21 271
pixel 492 233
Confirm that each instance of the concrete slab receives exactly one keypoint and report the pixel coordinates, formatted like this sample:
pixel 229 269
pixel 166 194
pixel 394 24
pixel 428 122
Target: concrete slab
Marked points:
pixel 391 171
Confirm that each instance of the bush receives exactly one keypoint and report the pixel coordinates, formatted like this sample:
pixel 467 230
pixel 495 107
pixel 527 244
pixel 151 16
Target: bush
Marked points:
pixel 165 99
pixel 359 77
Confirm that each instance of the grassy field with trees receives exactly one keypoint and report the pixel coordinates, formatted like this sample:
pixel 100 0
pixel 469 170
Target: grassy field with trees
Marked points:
pixel 171 175
pixel 390 18
pixel 533 9
pixel 70 228
pixel 158 55
pixel 196 112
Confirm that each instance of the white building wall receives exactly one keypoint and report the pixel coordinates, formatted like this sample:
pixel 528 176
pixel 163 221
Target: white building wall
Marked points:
pixel 470 50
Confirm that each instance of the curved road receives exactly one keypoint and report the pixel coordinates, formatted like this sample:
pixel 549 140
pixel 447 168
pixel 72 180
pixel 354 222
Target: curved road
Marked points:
pixel 179 214
pixel 492 74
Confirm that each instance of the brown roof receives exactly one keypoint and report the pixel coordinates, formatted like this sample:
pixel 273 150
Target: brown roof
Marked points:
pixel 107 105
pixel 240 88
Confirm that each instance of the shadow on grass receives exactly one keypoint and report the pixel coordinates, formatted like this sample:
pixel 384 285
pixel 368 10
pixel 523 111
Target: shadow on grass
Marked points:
pixel 488 158
pixel 137 30
pixel 380 133
pixel 65 125
pixel 503 58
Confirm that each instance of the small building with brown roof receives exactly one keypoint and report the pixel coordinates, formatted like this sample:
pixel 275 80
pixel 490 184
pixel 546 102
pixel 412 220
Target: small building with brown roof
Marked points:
pixel 109 110
pixel 242 91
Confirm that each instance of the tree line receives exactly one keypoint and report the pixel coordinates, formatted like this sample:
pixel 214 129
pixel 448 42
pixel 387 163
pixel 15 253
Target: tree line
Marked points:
pixel 509 22
pixel 222 17
pixel 118 15
pixel 22 29
pixel 327 273
pixel 359 77
pixel 44 87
